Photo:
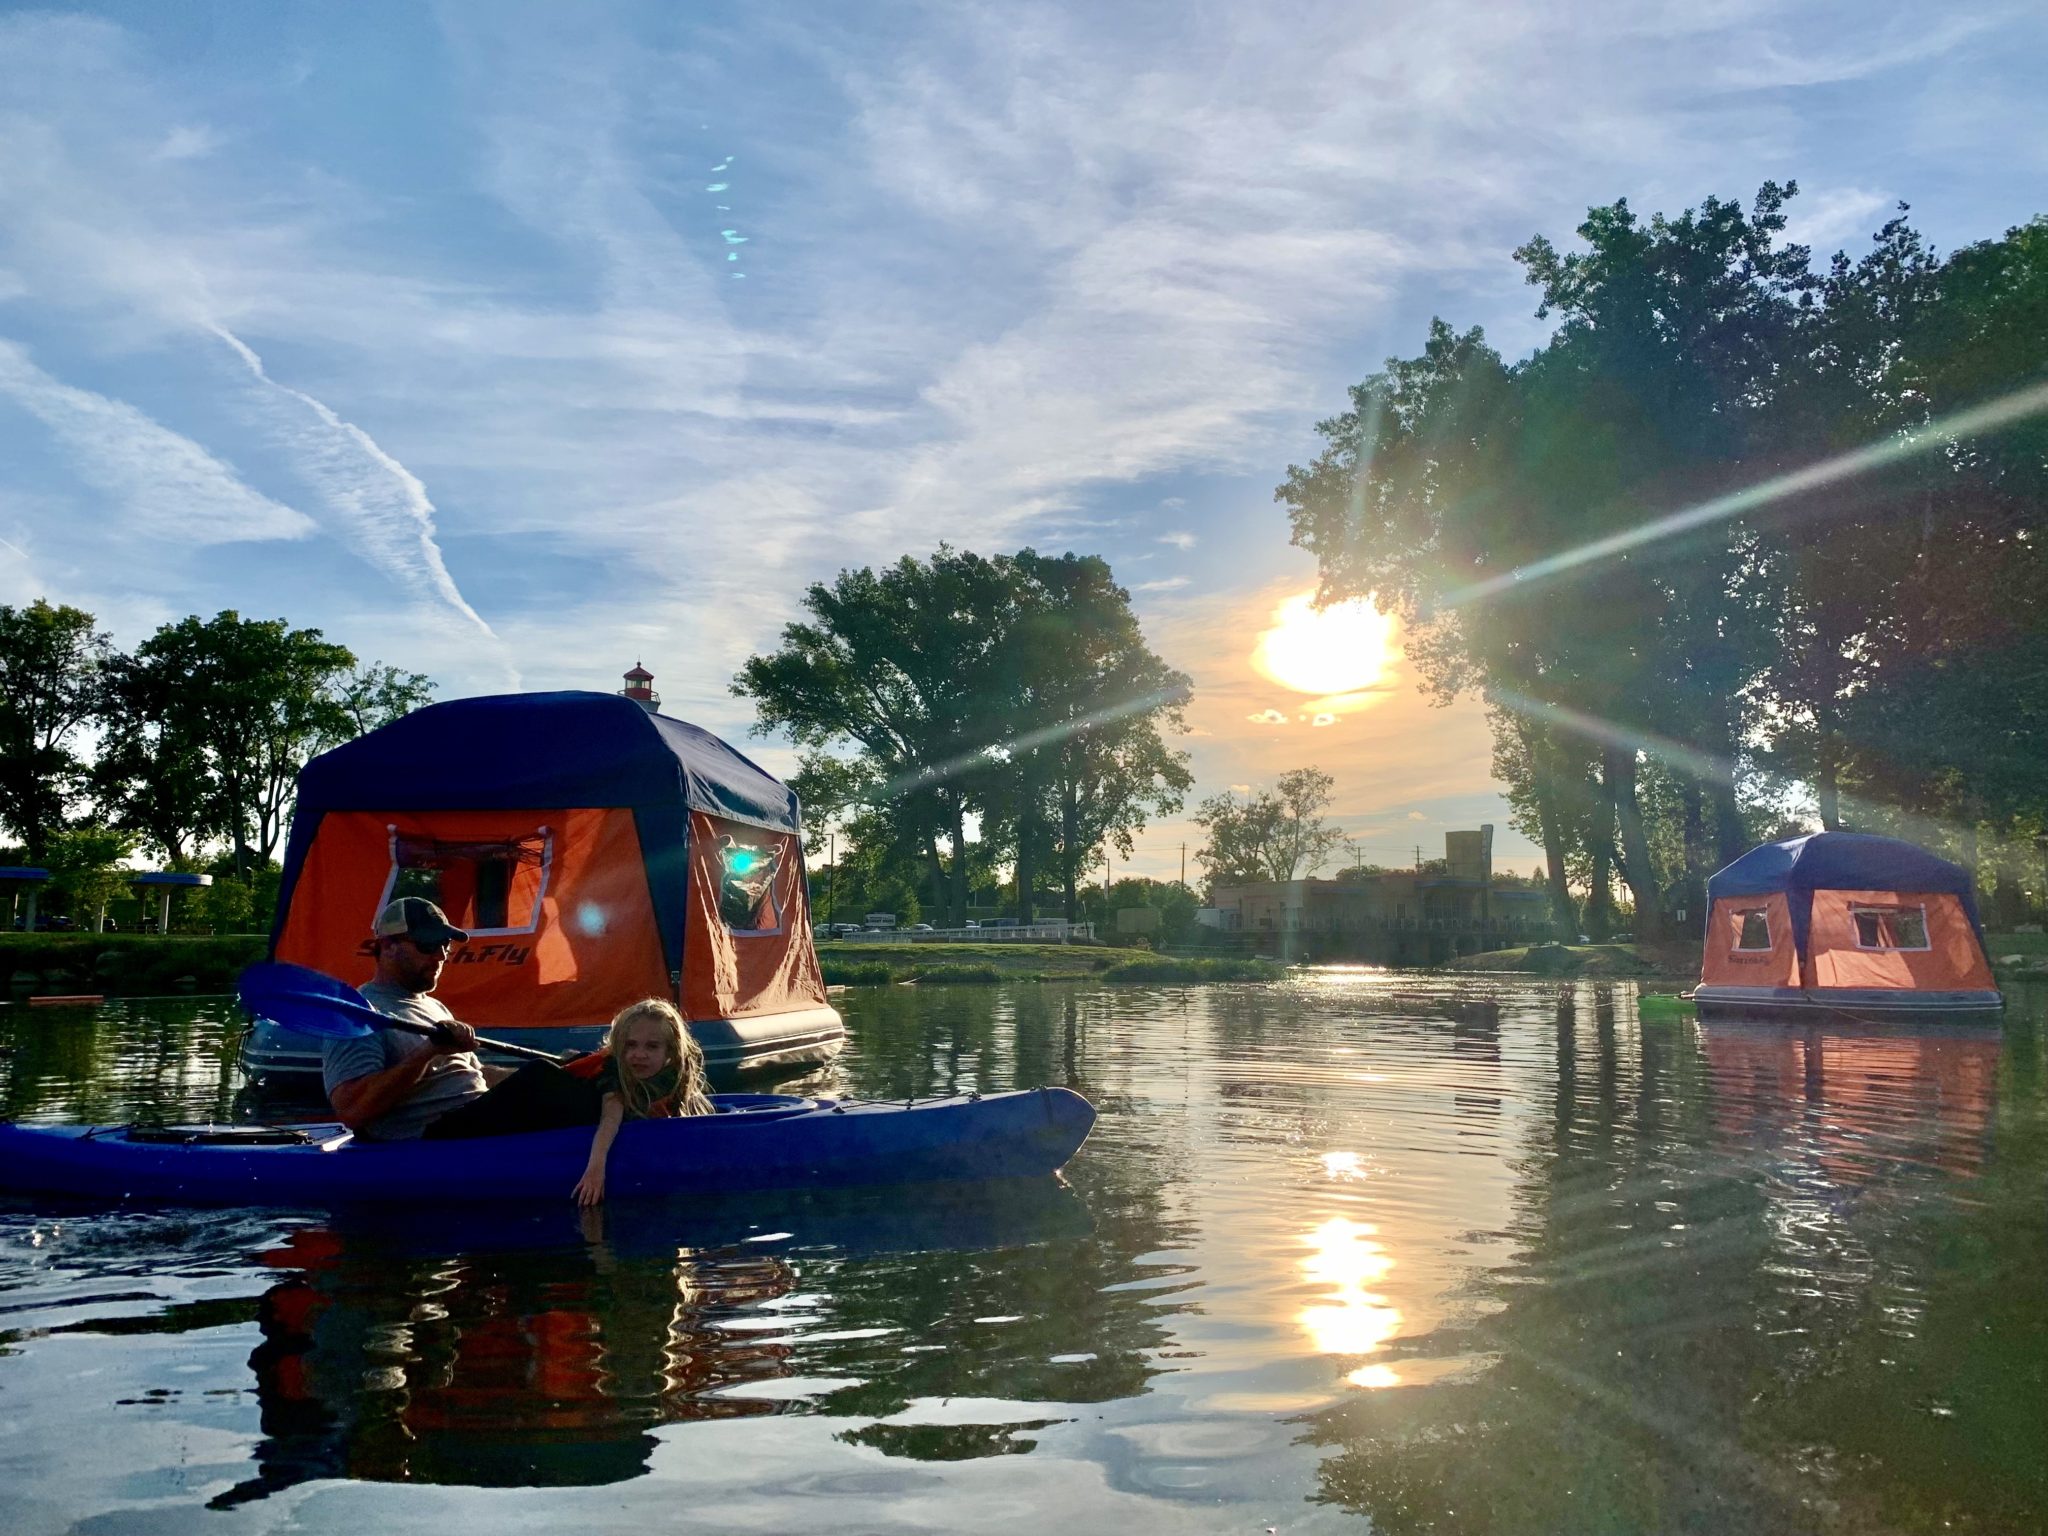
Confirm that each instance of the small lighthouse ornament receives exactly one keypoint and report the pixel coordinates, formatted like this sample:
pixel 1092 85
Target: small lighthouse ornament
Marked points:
pixel 640 688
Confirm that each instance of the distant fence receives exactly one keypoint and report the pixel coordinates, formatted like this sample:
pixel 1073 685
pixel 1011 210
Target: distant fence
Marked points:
pixel 1024 933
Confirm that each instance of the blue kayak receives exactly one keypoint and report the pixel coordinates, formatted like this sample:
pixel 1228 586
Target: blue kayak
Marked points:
pixel 755 1141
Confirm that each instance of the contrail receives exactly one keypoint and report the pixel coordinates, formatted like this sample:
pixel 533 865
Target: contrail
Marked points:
pixel 2016 406
pixel 400 529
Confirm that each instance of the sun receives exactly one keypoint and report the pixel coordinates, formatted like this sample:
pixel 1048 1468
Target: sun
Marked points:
pixel 1339 649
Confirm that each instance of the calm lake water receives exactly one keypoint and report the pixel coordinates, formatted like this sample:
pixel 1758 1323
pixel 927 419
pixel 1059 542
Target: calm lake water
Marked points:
pixel 1483 1256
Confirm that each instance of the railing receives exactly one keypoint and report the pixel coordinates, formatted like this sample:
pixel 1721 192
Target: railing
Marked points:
pixel 1023 933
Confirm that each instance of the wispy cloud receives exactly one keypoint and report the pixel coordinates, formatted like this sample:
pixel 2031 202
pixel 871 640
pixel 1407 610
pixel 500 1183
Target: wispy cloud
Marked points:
pixel 187 142
pixel 1009 269
pixel 383 504
pixel 165 487
pixel 1834 217
pixel 1164 584
pixel 1267 717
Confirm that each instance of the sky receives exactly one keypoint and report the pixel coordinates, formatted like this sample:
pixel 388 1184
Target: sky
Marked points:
pixel 515 343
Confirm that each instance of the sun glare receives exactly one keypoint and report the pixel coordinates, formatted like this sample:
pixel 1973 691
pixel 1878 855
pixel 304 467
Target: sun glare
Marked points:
pixel 1339 649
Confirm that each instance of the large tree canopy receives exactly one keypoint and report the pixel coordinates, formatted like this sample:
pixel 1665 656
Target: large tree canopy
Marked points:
pixel 207 724
pixel 1623 542
pixel 1015 691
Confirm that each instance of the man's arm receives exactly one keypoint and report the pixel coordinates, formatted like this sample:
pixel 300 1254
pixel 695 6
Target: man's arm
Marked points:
pixel 361 1100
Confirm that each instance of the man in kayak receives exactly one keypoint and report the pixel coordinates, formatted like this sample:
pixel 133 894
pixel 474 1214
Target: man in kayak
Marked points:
pixel 396 1085
pixel 392 1085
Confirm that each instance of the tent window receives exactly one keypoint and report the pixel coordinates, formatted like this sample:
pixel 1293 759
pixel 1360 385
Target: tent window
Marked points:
pixel 485 887
pixel 1756 929
pixel 1890 927
pixel 746 885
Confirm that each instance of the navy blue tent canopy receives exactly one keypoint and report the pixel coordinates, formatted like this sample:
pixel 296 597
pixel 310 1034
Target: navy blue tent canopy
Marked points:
pixel 520 751
pixel 543 751
pixel 1839 861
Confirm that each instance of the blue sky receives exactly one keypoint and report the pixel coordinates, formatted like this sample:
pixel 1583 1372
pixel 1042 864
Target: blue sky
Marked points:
pixel 513 342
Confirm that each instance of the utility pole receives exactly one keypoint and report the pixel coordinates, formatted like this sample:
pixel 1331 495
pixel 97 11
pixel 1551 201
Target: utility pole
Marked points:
pixel 832 876
pixel 1183 863
pixel 1418 858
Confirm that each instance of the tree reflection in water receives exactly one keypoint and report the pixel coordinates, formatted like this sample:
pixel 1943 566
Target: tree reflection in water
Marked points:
pixel 1754 1264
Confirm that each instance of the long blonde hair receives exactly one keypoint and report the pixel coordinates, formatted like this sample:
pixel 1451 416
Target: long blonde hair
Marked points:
pixel 689 1097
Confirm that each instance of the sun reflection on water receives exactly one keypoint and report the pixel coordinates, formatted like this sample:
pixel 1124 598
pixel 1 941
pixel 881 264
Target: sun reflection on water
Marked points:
pixel 1347 1256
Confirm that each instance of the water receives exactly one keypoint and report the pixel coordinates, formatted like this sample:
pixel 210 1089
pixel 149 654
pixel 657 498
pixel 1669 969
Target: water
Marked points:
pixel 1486 1257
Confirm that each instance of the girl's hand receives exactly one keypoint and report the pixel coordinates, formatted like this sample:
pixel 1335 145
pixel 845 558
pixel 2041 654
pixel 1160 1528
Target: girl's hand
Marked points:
pixel 590 1188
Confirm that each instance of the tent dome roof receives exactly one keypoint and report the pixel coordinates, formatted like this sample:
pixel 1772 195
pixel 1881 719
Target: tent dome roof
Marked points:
pixel 518 751
pixel 1838 861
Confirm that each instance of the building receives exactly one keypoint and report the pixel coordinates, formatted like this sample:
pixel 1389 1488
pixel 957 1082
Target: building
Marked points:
pixel 1400 917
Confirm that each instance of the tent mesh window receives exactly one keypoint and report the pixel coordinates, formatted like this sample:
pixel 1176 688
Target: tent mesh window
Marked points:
pixel 1890 927
pixel 746 885
pixel 1756 929
pixel 423 866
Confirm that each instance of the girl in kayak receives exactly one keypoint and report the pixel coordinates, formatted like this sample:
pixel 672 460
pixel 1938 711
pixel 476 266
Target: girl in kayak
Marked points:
pixel 653 1069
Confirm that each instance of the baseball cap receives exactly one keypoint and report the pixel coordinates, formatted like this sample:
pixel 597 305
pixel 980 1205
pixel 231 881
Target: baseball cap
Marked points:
pixel 418 919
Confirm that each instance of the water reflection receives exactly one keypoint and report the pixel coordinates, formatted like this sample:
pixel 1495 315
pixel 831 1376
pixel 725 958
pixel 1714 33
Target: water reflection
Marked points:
pixel 1469 1257
pixel 1345 1256
pixel 490 1369
pixel 1735 1304
pixel 478 1349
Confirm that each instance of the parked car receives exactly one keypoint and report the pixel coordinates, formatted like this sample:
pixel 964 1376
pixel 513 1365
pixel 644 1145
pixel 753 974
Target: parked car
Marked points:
pixel 921 928
pixel 841 930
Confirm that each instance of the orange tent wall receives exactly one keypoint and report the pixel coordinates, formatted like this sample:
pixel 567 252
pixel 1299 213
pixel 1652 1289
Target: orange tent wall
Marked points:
pixel 1953 960
pixel 728 975
pixel 595 949
pixel 1725 965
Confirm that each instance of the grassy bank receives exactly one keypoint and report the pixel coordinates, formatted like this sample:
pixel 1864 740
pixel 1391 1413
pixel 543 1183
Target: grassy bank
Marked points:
pixel 133 964
pixel 2017 956
pixel 2014 956
pixel 1678 961
pixel 874 965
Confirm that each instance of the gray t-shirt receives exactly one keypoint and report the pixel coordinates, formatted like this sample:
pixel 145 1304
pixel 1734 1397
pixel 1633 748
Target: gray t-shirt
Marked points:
pixel 449 1083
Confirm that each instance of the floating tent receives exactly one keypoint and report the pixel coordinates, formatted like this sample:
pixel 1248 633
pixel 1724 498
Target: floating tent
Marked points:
pixel 1844 924
pixel 596 854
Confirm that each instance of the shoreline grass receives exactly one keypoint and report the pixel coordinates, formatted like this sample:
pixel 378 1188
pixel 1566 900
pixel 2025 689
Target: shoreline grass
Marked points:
pixel 126 964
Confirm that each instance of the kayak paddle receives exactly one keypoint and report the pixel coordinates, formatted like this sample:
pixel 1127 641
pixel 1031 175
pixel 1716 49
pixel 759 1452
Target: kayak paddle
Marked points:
pixel 303 999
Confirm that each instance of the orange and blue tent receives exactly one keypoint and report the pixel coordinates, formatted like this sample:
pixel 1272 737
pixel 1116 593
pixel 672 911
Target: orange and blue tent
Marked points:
pixel 1848 924
pixel 596 854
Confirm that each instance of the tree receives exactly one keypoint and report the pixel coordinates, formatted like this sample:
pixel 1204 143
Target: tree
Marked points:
pixel 87 863
pixel 1015 689
pixel 1580 538
pixel 251 699
pixel 380 694
pixel 153 775
pixel 1087 764
pixel 896 665
pixel 50 664
pixel 1276 835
